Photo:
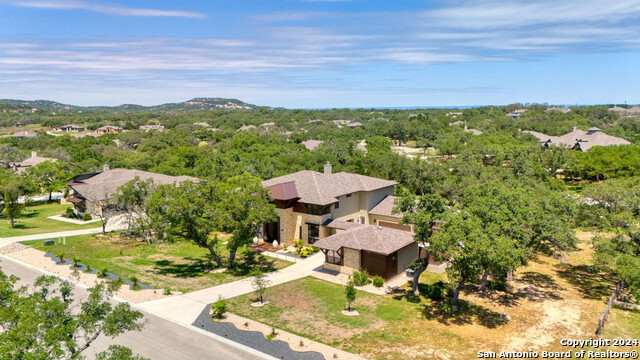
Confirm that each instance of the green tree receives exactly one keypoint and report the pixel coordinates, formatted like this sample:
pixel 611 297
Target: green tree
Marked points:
pixel 186 212
pixel 260 283
pixel 132 198
pixel 46 324
pixel 49 176
pixel 11 191
pixel 350 294
pixel 241 205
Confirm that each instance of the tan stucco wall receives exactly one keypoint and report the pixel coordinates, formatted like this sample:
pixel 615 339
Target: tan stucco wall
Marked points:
pixel 351 258
pixel 406 256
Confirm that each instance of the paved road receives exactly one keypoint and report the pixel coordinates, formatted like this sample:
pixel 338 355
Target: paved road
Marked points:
pixel 184 309
pixel 160 339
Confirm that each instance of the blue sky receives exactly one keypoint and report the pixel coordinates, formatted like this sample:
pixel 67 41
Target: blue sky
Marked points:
pixel 321 53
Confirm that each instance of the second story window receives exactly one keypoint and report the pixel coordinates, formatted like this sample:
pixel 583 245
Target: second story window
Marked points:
pixel 338 205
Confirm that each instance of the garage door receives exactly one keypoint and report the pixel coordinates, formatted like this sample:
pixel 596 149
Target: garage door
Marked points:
pixel 394 225
pixel 377 264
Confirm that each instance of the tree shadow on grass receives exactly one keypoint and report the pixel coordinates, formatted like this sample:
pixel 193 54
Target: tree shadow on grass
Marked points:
pixel 249 262
pixel 436 291
pixel 468 314
pixel 195 268
pixel 587 279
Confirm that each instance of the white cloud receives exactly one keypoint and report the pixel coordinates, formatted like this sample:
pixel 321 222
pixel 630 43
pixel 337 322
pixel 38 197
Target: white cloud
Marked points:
pixel 103 8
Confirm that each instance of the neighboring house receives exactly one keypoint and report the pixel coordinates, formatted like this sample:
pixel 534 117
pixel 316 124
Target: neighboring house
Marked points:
pixel 472 131
pixel 32 161
pixel 109 129
pixel 516 114
pixel 579 139
pixel 147 128
pixel 71 128
pixel 336 212
pixel 269 124
pixel 92 134
pixel 203 124
pixel 247 127
pixel 25 134
pixel 559 109
pixel 633 111
pixel 454 114
pixel 311 144
pixel 457 123
pixel 94 190
pixel 350 123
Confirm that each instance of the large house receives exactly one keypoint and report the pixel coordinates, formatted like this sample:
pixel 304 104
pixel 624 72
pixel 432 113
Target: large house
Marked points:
pixel 109 129
pixel 348 216
pixel 579 139
pixel 93 190
pixel 32 161
pixel 71 128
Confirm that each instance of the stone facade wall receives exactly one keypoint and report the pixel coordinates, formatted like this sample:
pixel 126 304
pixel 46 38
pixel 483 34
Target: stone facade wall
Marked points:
pixel 351 258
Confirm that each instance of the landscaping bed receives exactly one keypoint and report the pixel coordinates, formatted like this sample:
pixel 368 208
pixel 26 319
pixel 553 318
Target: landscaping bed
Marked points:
pixel 179 266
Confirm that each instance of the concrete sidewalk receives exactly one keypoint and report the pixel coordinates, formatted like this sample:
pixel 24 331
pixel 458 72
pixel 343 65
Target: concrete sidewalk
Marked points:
pixel 185 308
pixel 52 235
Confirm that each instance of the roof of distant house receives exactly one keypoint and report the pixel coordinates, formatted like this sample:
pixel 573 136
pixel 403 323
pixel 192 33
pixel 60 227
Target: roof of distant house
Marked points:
pixel 268 124
pixel 380 240
pixel 152 127
pixel 580 139
pixel 247 127
pixel 457 123
pixel 25 134
pixel 559 109
pixel 385 207
pixel 102 185
pixel 202 123
pixel 473 131
pixel 323 189
pixel 311 144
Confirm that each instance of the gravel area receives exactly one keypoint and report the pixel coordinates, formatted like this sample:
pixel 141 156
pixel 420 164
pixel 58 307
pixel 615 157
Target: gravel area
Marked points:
pixel 48 262
pixel 253 334
pixel 13 247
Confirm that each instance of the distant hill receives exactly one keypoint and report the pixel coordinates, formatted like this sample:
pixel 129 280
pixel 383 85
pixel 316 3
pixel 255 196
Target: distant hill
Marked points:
pixel 10 105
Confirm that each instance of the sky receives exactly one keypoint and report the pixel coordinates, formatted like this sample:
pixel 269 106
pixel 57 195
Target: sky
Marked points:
pixel 321 53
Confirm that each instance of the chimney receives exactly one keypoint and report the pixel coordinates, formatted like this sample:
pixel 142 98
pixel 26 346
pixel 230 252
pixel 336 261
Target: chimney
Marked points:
pixel 573 128
pixel 105 167
pixel 327 168
pixel 34 154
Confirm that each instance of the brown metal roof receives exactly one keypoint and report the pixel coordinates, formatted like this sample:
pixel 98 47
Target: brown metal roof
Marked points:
pixel 284 191
pixel 75 200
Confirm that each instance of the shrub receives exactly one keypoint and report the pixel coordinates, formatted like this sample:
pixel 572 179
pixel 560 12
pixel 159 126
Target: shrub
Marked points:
pixel 378 281
pixel 134 280
pixel 219 308
pixel 76 261
pixel 69 213
pixel 361 278
pixel 86 217
pixel 350 294
pixel 166 291
pixel 60 257
pixel 102 273
pixel 298 244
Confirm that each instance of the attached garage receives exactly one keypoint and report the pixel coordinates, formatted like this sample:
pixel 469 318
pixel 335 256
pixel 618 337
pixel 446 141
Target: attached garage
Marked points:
pixel 376 264
pixel 380 250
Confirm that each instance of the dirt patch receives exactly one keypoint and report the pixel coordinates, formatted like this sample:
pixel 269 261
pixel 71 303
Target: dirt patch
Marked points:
pixel 557 318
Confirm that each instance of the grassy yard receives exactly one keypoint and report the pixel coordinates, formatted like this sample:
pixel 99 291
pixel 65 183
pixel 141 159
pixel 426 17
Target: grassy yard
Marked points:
pixel 34 221
pixel 180 266
pixel 550 300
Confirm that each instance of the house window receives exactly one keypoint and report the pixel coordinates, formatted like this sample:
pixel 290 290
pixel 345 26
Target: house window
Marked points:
pixel 314 233
pixel 348 195
pixel 362 220
pixel 313 209
pixel 338 205
pixel 332 257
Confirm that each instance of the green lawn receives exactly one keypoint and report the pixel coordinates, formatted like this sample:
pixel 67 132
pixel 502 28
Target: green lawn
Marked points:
pixel 550 300
pixel 180 266
pixel 34 221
